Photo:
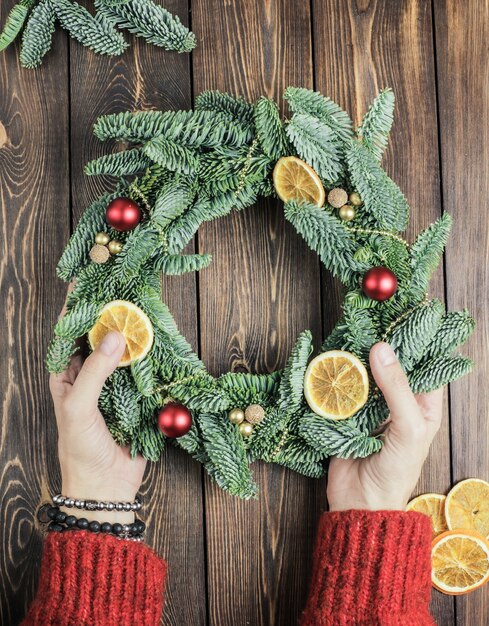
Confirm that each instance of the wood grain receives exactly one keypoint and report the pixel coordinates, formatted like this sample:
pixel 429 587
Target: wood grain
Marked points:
pixel 462 32
pixel 261 290
pixel 147 77
pixel 360 48
pixel 34 204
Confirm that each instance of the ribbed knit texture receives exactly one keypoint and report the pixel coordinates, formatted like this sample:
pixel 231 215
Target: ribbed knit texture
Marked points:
pixel 371 568
pixel 97 580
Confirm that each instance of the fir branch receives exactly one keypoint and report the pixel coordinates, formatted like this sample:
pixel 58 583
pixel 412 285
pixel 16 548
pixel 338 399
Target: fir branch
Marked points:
pixel 173 198
pixel 298 456
pixel 137 249
pixel 59 354
pixel 234 108
pixel 455 328
pixel 377 123
pixel 426 252
pixel 269 128
pixel 78 320
pixel 411 337
pixel 315 143
pixel 326 235
pixel 38 34
pixel 98 33
pixel 227 455
pixel 171 155
pixel 381 196
pixel 150 21
pixel 439 371
pixel 143 374
pixel 124 398
pixel 118 164
pixel 291 389
pixel 14 22
pixel 313 103
pixel 175 264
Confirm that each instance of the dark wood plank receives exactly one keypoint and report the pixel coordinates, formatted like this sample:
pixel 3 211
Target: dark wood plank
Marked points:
pixel 147 77
pixel 261 290
pixel 34 201
pixel 360 48
pixel 462 32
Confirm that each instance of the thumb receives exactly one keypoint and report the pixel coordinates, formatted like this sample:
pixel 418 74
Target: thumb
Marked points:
pixel 406 418
pixel 97 368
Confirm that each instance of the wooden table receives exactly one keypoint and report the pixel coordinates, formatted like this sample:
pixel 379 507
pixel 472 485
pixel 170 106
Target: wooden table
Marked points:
pixel 235 562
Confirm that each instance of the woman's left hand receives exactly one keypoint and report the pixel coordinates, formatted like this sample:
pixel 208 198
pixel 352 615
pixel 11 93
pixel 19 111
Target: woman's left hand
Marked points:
pixel 93 465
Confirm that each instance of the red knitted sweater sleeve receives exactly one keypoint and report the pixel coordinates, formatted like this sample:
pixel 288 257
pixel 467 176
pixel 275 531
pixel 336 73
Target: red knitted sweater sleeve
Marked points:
pixel 91 579
pixel 371 568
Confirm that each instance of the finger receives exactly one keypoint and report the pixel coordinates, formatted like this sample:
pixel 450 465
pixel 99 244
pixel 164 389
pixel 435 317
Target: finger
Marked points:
pixel 405 414
pixel 431 405
pixel 96 369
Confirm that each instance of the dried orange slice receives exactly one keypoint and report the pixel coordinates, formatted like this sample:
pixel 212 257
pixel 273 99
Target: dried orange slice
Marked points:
pixel 432 505
pixel 296 180
pixel 460 562
pixel 336 384
pixel 128 319
pixel 467 506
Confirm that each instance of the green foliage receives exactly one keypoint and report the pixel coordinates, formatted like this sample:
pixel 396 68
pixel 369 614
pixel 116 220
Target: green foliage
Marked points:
pixel 15 22
pixel 270 129
pixel 377 123
pixel 174 264
pixel 196 166
pixel 314 142
pixel 144 18
pixel 325 234
pixel 150 21
pixel 38 33
pixel 119 164
pixel 382 198
pixel 426 253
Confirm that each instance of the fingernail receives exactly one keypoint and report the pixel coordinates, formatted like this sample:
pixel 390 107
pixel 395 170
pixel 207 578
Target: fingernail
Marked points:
pixel 386 354
pixel 110 343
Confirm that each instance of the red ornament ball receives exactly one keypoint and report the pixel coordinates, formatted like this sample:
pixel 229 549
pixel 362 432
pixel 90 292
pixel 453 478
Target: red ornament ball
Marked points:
pixel 379 283
pixel 174 420
pixel 123 214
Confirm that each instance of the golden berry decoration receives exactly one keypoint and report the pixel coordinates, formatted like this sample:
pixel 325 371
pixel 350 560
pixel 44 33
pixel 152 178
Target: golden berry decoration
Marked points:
pixel 246 429
pixel 102 239
pixel 254 414
pixel 236 416
pixel 337 197
pixel 347 213
pixel 355 198
pixel 115 246
pixel 99 254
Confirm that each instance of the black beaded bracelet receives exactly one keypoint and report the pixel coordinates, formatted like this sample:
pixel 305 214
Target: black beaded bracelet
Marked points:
pixel 59 521
pixel 95 505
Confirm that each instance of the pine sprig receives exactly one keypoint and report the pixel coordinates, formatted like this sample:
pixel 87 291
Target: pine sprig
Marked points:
pixel 377 123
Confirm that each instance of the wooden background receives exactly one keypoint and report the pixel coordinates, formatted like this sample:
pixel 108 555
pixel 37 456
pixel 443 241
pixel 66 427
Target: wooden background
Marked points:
pixel 233 562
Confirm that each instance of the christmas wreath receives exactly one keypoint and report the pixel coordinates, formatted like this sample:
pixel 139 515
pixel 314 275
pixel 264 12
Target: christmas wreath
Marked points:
pixel 99 32
pixel 188 167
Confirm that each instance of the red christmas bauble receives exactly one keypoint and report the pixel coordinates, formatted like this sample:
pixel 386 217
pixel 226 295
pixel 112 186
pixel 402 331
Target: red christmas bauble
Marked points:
pixel 174 420
pixel 123 214
pixel 379 283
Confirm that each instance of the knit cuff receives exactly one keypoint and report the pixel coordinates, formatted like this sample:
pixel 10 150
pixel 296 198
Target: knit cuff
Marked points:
pixel 97 579
pixel 371 568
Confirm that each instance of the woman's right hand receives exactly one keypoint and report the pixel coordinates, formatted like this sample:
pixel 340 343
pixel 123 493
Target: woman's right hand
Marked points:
pixel 386 480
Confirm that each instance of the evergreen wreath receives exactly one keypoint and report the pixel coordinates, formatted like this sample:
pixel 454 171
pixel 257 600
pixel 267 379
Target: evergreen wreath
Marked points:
pixel 188 167
pixel 98 32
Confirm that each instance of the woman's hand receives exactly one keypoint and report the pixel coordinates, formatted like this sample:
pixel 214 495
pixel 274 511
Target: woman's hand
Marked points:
pixel 386 480
pixel 93 466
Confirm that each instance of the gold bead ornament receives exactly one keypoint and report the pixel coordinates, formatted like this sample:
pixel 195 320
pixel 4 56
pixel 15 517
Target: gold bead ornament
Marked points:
pixel 236 416
pixel 102 239
pixel 355 198
pixel 347 213
pixel 245 429
pixel 115 247
pixel 254 414
pixel 337 197
pixel 99 254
